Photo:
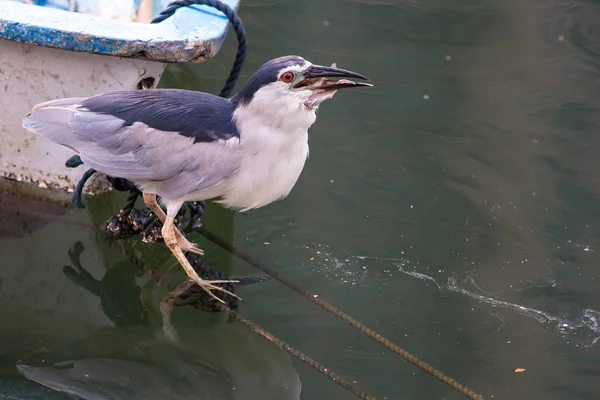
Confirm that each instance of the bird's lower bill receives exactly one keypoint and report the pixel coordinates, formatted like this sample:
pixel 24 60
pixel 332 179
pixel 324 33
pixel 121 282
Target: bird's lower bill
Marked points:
pixel 323 89
pixel 317 97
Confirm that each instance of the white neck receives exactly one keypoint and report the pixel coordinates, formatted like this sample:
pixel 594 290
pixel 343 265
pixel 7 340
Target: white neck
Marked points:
pixel 286 115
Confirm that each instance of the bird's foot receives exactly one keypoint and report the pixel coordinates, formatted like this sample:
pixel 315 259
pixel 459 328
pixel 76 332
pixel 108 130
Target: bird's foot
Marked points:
pixel 208 286
pixel 166 304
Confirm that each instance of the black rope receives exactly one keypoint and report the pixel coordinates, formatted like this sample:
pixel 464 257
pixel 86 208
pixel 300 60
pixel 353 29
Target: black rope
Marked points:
pixel 238 27
pixel 73 162
pixel 76 198
pixel 130 202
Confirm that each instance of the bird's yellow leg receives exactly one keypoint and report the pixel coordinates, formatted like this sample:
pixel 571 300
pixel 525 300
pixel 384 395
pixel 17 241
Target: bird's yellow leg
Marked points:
pixel 184 244
pixel 152 204
pixel 170 238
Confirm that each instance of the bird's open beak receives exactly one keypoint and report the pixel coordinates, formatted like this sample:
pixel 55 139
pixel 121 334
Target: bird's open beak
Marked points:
pixel 315 78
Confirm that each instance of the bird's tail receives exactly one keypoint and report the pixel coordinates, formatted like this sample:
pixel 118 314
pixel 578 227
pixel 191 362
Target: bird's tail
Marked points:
pixel 51 119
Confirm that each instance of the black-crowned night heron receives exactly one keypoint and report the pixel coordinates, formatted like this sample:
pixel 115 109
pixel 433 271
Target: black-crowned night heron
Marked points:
pixel 182 145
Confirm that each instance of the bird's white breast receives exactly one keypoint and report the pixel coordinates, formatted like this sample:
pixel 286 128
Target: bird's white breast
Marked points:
pixel 270 167
pixel 273 158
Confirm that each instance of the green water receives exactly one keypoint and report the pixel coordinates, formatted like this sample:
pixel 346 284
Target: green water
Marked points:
pixel 453 207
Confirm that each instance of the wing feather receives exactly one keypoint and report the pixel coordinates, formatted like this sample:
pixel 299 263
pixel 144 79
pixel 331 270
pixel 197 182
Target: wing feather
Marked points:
pixel 128 148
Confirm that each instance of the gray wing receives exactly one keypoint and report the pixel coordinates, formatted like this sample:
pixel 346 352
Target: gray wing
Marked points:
pixel 128 146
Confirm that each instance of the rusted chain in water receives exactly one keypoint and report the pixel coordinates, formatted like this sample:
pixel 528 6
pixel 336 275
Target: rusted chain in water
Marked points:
pixel 254 327
pixel 342 315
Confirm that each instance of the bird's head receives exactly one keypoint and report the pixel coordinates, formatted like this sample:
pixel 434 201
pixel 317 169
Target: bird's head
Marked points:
pixel 292 85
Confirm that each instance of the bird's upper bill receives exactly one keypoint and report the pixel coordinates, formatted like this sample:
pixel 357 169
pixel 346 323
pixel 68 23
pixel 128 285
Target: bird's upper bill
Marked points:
pixel 315 79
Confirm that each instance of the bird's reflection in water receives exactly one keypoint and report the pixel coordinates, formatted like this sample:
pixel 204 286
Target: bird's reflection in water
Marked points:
pixel 119 295
pixel 134 360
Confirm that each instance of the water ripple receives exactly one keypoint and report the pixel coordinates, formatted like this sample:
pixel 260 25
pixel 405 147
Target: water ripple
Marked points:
pixel 583 326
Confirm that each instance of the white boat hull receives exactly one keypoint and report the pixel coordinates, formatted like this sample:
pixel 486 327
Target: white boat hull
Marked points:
pixel 33 74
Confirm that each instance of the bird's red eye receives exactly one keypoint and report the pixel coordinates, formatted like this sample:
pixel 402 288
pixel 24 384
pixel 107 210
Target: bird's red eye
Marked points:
pixel 287 77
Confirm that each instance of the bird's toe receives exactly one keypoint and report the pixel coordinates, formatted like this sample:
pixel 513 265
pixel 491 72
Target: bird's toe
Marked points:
pixel 187 246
